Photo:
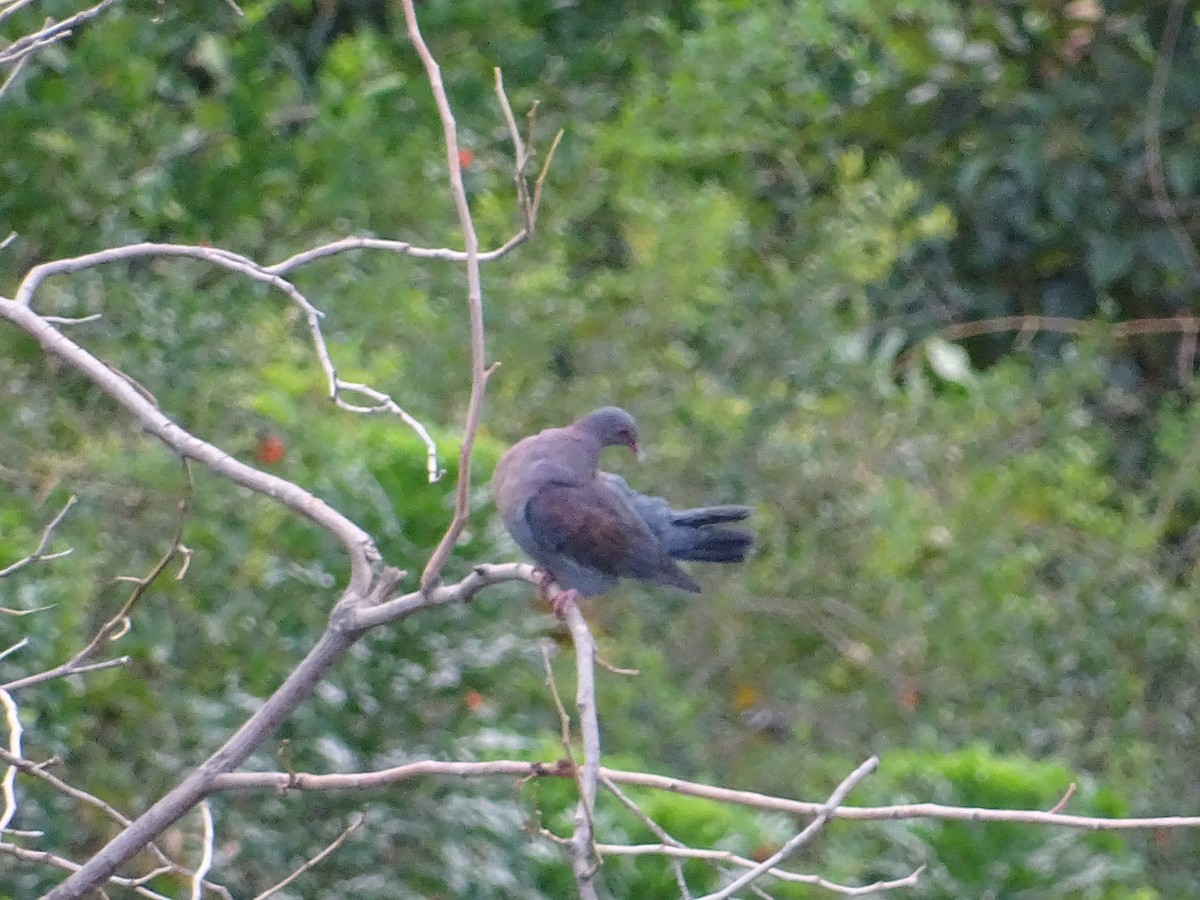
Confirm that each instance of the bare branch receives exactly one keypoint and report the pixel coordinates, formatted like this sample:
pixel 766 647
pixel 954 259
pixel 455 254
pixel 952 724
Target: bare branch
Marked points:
pixel 359 546
pixel 403 248
pixel 282 781
pixel 655 829
pixel 60 862
pixel 269 275
pixel 479 371
pixel 353 614
pixel 19 645
pixel 73 320
pixel 14 74
pixel 1066 798
pixel 12 719
pixel 41 772
pixel 355 821
pixel 39 552
pixel 835 800
pixel 584 861
pixel 484 575
pixel 11 7
pixel 676 852
pixel 31 43
pixel 206 855
pixel 1029 325
pixel 119 624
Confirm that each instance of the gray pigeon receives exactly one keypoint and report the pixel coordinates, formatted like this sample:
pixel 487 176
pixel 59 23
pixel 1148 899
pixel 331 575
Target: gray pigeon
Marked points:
pixel 585 529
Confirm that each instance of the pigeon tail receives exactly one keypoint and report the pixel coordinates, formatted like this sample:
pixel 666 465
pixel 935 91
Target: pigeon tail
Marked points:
pixel 718 545
pixel 709 515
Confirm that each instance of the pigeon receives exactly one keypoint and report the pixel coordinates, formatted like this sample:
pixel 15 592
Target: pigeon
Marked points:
pixel 585 529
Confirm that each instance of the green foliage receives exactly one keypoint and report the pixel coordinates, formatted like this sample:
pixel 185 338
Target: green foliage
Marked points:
pixel 758 216
pixel 968 859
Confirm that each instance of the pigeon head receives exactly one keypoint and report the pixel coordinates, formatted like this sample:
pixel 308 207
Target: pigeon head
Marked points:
pixel 611 426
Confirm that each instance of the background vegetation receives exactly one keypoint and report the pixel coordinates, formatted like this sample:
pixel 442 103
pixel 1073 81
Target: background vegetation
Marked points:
pixel 764 225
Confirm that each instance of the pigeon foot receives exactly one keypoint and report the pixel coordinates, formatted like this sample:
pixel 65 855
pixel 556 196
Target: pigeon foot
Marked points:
pixel 562 600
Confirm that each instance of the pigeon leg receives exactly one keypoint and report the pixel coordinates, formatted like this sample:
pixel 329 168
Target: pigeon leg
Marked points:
pixel 542 580
pixel 562 600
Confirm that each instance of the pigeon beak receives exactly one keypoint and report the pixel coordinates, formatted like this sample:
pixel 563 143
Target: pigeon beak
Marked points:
pixel 636 452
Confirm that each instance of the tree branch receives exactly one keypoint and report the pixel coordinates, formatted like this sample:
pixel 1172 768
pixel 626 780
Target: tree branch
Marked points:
pixel 584 860
pixel 823 815
pixel 479 372
pixel 23 46
pixel 282 781
pixel 39 553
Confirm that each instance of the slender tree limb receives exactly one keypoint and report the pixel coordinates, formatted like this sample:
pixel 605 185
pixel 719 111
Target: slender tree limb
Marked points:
pixel 1029 325
pixel 41 772
pixel 48 34
pixel 359 546
pixel 119 623
pixel 283 781
pixel 403 248
pixel 12 76
pixel 823 815
pixel 355 821
pixel 206 849
pixel 479 370
pixel 19 645
pixel 657 830
pixel 350 619
pixel 724 856
pixel 39 553
pixel 1064 800
pixel 12 720
pixel 60 862
pixel 9 7
pixel 269 275
pixel 585 862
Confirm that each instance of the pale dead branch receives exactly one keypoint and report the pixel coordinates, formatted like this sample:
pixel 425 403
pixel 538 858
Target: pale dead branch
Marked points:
pixel 823 815
pixel 355 821
pixel 39 553
pixel 282 781
pixel 23 47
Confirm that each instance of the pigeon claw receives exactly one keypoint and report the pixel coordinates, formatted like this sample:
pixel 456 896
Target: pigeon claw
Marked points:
pixel 542 580
pixel 562 600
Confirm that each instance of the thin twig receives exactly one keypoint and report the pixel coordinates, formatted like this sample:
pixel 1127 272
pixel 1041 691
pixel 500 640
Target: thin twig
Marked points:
pixel 39 553
pixel 656 829
pixel 281 781
pixel 59 862
pixel 208 838
pixel 41 772
pixel 12 719
pixel 724 856
pixel 564 720
pixel 269 275
pixel 584 860
pixel 31 43
pixel 118 624
pixel 835 800
pixel 355 821
pixel 14 6
pixel 479 370
pixel 13 75
pixel 1066 798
